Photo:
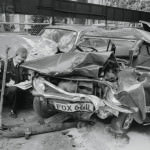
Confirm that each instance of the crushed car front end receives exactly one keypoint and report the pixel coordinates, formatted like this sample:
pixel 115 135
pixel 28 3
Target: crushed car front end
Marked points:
pixel 77 83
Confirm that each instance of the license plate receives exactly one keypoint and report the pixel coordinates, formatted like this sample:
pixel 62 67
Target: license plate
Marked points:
pixel 74 107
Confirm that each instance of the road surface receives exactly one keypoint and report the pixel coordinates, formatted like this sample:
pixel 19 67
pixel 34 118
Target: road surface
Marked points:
pixel 86 138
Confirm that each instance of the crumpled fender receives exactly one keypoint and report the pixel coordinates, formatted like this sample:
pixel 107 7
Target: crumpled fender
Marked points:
pixel 131 93
pixel 77 97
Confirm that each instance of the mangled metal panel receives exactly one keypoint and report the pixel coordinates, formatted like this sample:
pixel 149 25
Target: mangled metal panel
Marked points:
pixel 73 63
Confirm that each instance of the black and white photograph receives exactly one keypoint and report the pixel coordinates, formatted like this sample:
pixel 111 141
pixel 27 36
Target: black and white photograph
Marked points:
pixel 74 74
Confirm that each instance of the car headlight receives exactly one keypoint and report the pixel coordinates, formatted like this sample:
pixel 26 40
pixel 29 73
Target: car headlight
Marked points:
pixel 39 85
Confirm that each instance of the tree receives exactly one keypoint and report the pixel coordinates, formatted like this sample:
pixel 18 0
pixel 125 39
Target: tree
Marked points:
pixel 147 6
pixel 122 4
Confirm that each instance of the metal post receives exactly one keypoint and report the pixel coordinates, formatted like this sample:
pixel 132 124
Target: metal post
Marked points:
pixel 3 87
pixel 106 17
pixel 53 12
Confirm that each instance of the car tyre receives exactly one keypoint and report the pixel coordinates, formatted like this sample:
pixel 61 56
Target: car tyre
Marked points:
pixel 122 123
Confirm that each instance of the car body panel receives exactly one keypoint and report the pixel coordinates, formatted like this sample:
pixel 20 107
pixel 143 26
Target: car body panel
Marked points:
pixel 72 63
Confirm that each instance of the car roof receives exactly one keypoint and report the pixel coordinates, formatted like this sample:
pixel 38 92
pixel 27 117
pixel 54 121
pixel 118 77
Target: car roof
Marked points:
pixel 89 30
pixel 74 27
pixel 77 28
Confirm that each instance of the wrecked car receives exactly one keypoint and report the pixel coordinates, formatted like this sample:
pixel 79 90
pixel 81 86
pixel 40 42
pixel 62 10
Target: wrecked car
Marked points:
pixel 89 38
pixel 87 73
pixel 137 76
pixel 82 85
pixel 70 38
pixel 141 66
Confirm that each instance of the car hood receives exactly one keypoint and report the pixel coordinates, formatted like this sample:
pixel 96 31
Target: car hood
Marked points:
pixel 36 46
pixel 72 63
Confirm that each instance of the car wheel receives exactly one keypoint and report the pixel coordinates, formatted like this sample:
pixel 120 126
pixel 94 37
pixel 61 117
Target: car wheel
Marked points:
pixel 122 123
pixel 41 107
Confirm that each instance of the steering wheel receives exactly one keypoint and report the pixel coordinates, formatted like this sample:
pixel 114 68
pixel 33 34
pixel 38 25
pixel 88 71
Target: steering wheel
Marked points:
pixel 93 49
pixel 80 49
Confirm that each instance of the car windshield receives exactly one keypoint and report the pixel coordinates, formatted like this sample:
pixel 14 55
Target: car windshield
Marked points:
pixel 64 38
pixel 123 46
pixel 89 44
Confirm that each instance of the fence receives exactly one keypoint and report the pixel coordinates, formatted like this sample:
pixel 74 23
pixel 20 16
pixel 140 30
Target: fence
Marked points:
pixel 31 28
pixel 66 8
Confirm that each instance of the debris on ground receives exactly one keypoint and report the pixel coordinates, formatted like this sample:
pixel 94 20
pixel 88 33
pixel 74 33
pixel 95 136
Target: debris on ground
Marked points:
pixel 93 137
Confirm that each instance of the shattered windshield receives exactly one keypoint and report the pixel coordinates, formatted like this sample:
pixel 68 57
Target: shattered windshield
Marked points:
pixel 88 44
pixel 64 38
